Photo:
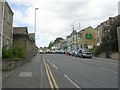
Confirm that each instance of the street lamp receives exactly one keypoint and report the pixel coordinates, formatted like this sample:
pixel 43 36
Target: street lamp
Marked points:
pixel 35 20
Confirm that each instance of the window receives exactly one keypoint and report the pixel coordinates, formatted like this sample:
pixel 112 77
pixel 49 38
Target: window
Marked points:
pixel 88 36
pixel 85 46
pixel 80 35
pixel 8 17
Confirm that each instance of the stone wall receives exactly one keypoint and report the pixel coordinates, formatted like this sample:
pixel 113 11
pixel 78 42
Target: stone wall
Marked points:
pixel 115 56
pixel 24 42
pixel 10 64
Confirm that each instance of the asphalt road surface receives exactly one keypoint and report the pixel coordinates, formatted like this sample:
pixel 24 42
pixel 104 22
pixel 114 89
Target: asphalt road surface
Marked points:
pixel 83 73
pixel 62 71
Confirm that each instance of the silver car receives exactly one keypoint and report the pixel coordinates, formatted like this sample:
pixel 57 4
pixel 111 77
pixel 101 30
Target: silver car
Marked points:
pixel 84 53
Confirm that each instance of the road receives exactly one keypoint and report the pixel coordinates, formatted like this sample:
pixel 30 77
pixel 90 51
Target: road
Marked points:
pixel 83 73
pixel 62 71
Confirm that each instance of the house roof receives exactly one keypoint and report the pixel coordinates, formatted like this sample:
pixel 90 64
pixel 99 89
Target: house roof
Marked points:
pixel 87 28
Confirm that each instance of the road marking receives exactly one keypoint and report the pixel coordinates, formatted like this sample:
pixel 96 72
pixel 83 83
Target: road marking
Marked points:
pixel 54 66
pixel 56 86
pixel 50 82
pixel 109 70
pixel 25 74
pixel 71 81
pixel 51 79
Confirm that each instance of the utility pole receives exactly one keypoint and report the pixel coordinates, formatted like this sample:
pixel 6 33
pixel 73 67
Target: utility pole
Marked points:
pixel 35 30
pixel 73 37
pixel 79 26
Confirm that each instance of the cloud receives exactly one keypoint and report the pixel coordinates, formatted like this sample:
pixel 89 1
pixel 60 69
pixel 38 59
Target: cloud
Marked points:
pixel 55 17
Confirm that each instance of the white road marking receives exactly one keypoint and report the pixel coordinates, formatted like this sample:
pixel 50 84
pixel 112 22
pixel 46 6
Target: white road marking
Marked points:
pixel 25 74
pixel 71 81
pixel 54 66
pixel 109 70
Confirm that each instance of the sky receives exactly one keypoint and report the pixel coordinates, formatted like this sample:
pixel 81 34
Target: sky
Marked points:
pixel 55 18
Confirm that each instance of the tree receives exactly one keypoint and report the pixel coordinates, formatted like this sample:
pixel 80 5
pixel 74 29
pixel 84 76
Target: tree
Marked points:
pixel 50 45
pixel 57 40
pixel 109 40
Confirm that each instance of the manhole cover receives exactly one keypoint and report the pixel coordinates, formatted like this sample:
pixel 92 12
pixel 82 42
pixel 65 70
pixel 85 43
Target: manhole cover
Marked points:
pixel 25 74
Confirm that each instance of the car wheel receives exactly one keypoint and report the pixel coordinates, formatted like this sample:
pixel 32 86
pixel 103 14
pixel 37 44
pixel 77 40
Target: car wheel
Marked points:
pixel 91 57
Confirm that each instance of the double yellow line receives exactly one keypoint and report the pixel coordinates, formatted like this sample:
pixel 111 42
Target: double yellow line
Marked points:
pixel 51 79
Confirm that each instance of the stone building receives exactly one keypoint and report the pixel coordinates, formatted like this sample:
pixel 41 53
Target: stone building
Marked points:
pixel 7 26
pixel 72 41
pixel 1 27
pixel 104 28
pixel 87 38
pixel 23 40
pixel 63 45
pixel 100 30
pixel 69 43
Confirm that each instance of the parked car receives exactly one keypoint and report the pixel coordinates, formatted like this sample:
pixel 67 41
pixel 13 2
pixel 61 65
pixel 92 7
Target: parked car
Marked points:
pixel 62 51
pixel 69 52
pixel 74 53
pixel 84 53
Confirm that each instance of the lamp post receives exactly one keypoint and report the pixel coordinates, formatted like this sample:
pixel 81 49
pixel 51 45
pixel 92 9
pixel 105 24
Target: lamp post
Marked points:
pixel 35 20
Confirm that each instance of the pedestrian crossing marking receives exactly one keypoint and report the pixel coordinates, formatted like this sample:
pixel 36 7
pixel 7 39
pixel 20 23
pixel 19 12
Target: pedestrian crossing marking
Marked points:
pixel 25 74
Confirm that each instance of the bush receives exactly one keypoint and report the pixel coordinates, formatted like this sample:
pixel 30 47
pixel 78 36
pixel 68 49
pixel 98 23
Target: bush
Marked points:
pixel 96 51
pixel 13 53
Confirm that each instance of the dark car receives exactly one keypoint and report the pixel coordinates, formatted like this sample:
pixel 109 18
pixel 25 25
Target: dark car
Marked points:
pixel 84 53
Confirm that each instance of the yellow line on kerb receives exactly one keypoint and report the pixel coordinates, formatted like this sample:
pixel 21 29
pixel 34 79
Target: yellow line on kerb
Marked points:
pixel 51 85
pixel 51 79
pixel 56 86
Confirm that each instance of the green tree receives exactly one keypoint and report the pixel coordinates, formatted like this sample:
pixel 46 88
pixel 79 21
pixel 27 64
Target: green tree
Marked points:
pixel 50 45
pixel 109 41
pixel 57 40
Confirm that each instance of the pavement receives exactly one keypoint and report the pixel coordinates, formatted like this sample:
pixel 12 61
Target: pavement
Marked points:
pixel 29 75
pixel 106 59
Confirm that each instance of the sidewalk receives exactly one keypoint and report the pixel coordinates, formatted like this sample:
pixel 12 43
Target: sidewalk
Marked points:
pixel 6 74
pixel 106 59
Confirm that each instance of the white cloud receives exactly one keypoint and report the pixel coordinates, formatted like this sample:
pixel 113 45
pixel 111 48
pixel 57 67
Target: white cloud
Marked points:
pixel 55 17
